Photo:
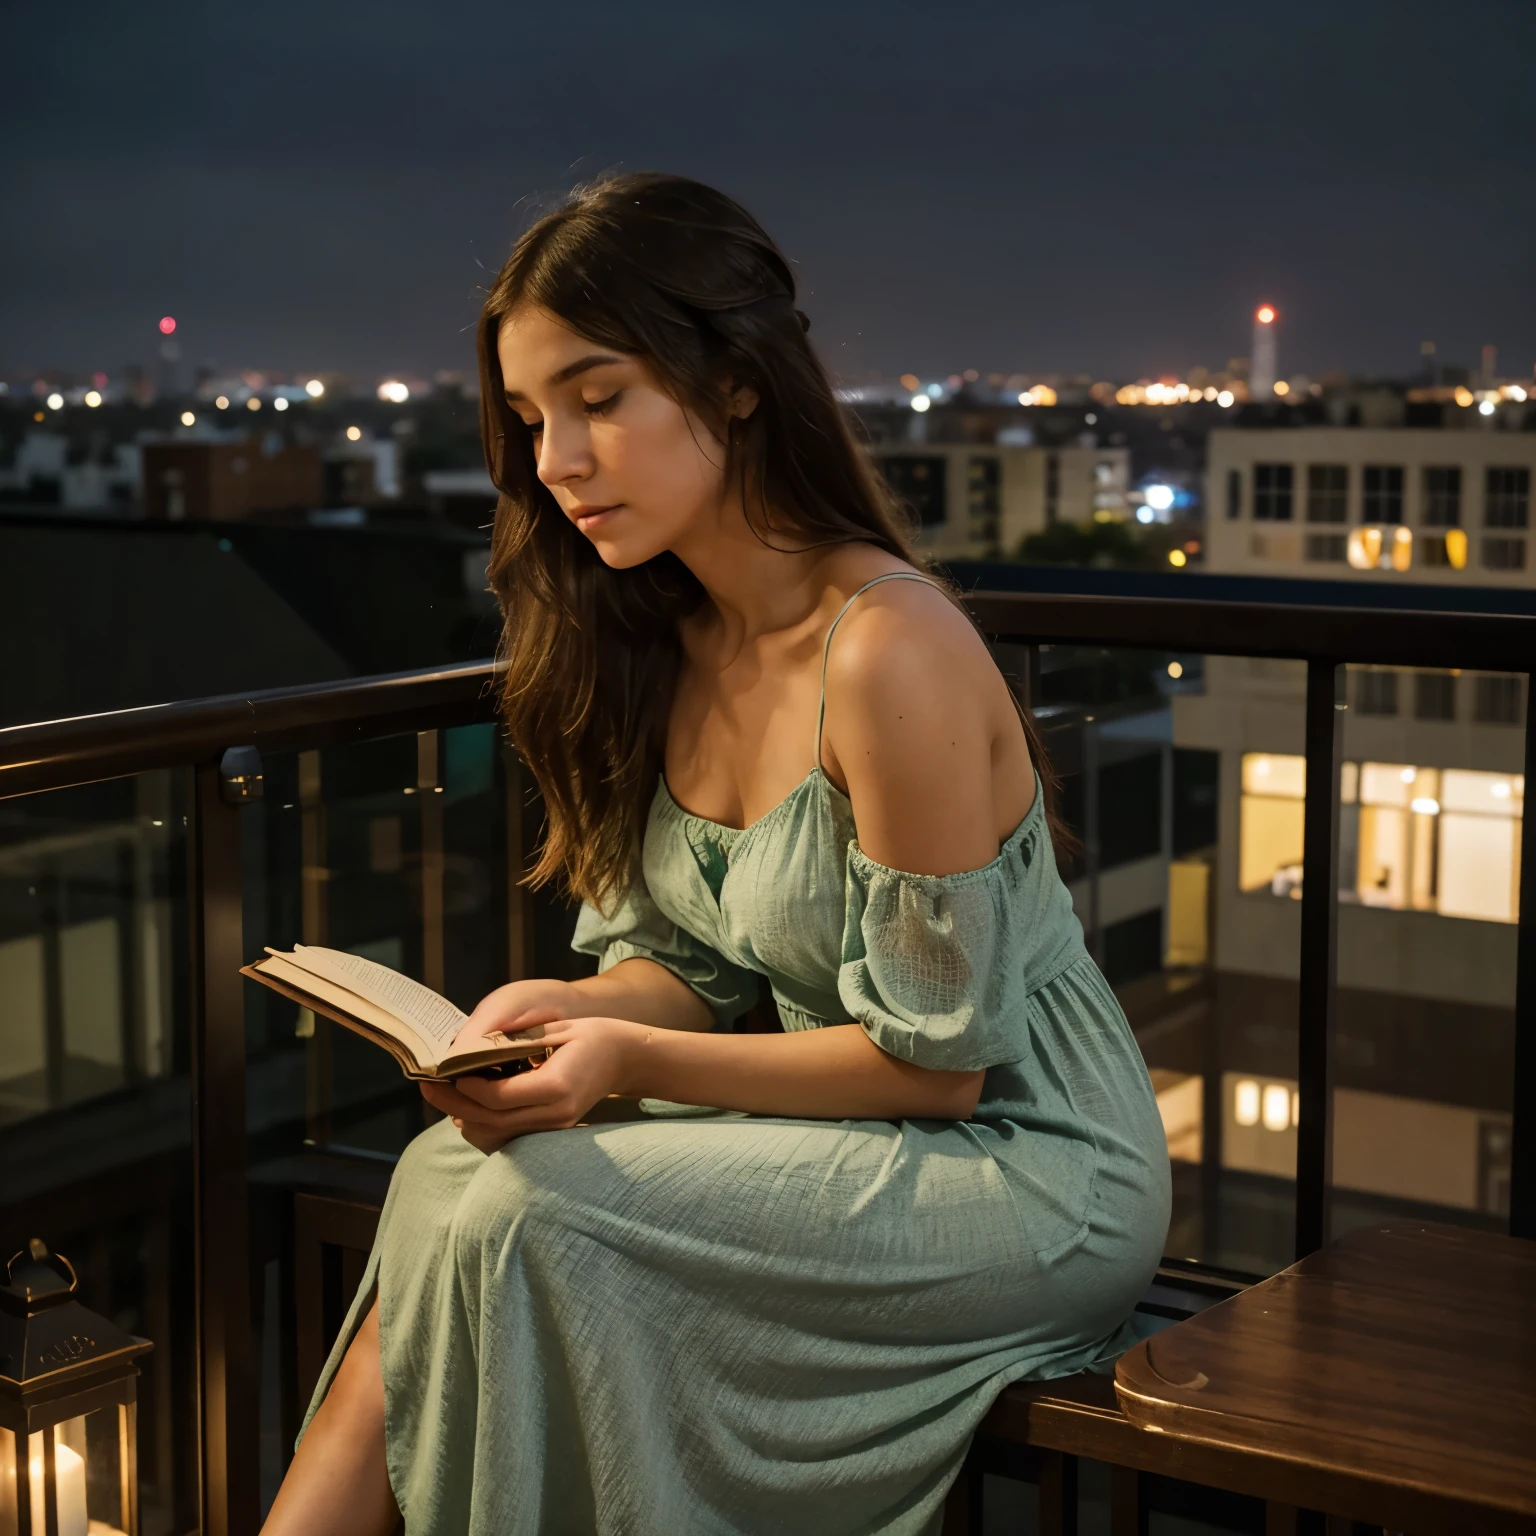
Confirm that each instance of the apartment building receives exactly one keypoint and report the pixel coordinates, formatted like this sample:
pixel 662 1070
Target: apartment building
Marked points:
pixel 1432 804
pixel 1389 504
pixel 975 500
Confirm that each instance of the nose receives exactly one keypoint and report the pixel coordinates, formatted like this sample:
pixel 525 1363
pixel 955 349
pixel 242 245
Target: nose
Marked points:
pixel 564 454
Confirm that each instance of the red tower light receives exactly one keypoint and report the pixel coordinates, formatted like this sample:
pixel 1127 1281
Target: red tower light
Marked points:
pixel 167 325
pixel 1265 314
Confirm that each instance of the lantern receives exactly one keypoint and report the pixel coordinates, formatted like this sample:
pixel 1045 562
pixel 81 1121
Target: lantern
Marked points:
pixel 68 1435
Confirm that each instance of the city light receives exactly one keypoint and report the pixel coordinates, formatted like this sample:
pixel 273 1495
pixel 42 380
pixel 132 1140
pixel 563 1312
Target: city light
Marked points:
pixel 253 404
pixel 1226 399
pixel 93 398
pixel 1265 314
pixel 188 419
pixel 1514 392
pixel 1159 497
pixel 1464 396
pixel 1281 387
pixel 1177 558
pixel 394 392
pixel 222 402
pixel 1038 394
pixel 1175 670
pixel 1144 514
pixel 1486 408
pixel 280 404
pixel 55 402
pixel 920 403
pixel 910 382
pixel 167 325
pixel 314 389
pixel 354 434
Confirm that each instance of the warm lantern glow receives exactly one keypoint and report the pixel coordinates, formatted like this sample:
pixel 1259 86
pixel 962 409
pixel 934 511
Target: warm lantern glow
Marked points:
pixel 1265 314
pixel 1456 549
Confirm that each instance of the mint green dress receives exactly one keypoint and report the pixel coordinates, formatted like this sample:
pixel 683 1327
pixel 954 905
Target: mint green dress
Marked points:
pixel 716 1323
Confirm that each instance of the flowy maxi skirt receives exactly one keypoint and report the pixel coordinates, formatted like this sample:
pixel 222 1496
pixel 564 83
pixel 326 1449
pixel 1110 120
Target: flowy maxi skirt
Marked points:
pixel 724 1324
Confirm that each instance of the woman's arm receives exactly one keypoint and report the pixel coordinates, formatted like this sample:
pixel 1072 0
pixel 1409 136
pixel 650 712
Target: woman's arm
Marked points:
pixel 636 989
pixel 834 1073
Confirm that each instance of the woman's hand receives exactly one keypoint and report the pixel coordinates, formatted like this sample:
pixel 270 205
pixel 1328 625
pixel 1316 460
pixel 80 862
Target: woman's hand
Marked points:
pixel 589 1059
pixel 518 1005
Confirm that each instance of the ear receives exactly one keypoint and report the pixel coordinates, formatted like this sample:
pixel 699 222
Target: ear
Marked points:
pixel 741 401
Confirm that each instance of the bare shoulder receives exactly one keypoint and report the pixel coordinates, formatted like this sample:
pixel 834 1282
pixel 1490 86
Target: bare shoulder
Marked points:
pixel 917 717
pixel 904 629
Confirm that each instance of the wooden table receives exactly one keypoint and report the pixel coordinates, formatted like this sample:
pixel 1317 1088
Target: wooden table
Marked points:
pixel 1389 1378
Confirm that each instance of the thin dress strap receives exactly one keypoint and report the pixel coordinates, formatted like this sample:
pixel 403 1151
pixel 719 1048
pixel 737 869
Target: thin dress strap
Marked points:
pixel 826 650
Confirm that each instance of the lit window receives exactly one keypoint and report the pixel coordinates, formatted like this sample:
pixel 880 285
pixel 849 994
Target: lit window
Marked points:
pixel 1270 822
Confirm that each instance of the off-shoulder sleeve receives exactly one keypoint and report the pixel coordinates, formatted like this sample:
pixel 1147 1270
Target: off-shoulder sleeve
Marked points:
pixel 932 965
pixel 636 926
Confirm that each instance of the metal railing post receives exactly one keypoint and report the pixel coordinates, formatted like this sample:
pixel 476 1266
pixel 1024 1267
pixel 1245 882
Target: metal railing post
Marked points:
pixel 1522 1170
pixel 1319 952
pixel 227 1394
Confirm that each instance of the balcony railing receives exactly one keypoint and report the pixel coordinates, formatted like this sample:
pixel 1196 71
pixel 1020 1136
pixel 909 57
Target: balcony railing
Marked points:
pixel 209 744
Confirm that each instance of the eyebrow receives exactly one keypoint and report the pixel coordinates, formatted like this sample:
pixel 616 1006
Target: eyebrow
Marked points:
pixel 570 371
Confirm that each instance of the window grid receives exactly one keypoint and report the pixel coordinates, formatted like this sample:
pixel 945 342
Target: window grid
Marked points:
pixel 1328 493
pixel 1272 492
pixel 1376 693
pixel 1442 496
pixel 1383 494
pixel 1434 696
pixel 1507 498
pixel 1327 546
pixel 1496 700
pixel 1503 554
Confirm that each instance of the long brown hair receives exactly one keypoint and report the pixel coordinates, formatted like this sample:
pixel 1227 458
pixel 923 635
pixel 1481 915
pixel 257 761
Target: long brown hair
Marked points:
pixel 666 269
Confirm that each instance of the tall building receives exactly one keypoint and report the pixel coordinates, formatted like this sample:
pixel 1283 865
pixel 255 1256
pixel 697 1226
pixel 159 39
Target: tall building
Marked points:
pixel 1262 371
pixel 975 500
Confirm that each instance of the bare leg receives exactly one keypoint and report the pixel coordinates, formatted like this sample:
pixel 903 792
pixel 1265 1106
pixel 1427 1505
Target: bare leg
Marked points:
pixel 337 1484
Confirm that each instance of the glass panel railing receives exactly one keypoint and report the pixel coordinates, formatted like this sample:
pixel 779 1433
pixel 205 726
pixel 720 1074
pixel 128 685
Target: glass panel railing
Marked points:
pixel 95 1104
pixel 1433 797
pixel 1175 884
pixel 404 850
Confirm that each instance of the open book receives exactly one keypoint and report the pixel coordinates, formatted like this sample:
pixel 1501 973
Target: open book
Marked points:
pixel 410 1021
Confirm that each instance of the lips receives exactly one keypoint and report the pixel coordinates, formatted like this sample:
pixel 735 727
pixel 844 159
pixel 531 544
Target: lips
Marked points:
pixel 589 518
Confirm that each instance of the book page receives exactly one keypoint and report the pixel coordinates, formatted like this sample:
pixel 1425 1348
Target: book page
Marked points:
pixel 432 1017
pixel 377 1020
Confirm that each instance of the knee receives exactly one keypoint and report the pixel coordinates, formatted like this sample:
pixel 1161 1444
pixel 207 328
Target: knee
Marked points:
pixel 519 1196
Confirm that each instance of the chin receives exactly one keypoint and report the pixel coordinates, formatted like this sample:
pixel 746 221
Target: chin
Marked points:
pixel 625 554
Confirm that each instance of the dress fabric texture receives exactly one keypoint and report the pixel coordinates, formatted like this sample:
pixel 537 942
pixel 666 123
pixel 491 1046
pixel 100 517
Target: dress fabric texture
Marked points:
pixel 718 1323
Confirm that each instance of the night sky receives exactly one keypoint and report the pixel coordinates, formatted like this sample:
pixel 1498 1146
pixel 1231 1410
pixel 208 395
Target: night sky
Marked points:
pixel 1104 187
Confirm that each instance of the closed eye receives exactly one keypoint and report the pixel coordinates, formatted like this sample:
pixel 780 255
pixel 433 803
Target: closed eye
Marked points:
pixel 602 407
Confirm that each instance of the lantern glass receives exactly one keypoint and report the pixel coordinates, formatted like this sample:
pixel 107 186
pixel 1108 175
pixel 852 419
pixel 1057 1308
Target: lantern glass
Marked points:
pixel 93 1476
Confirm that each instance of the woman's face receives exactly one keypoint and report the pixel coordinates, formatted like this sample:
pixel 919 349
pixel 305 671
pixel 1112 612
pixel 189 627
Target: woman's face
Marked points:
pixel 630 467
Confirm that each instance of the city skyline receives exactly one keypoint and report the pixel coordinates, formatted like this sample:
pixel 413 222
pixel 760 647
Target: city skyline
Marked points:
pixel 1004 188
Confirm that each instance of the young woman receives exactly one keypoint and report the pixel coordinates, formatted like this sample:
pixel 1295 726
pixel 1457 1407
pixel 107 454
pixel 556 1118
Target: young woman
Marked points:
pixel 776 759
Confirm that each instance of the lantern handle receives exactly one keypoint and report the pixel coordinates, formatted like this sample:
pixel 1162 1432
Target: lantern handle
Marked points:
pixel 40 1252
